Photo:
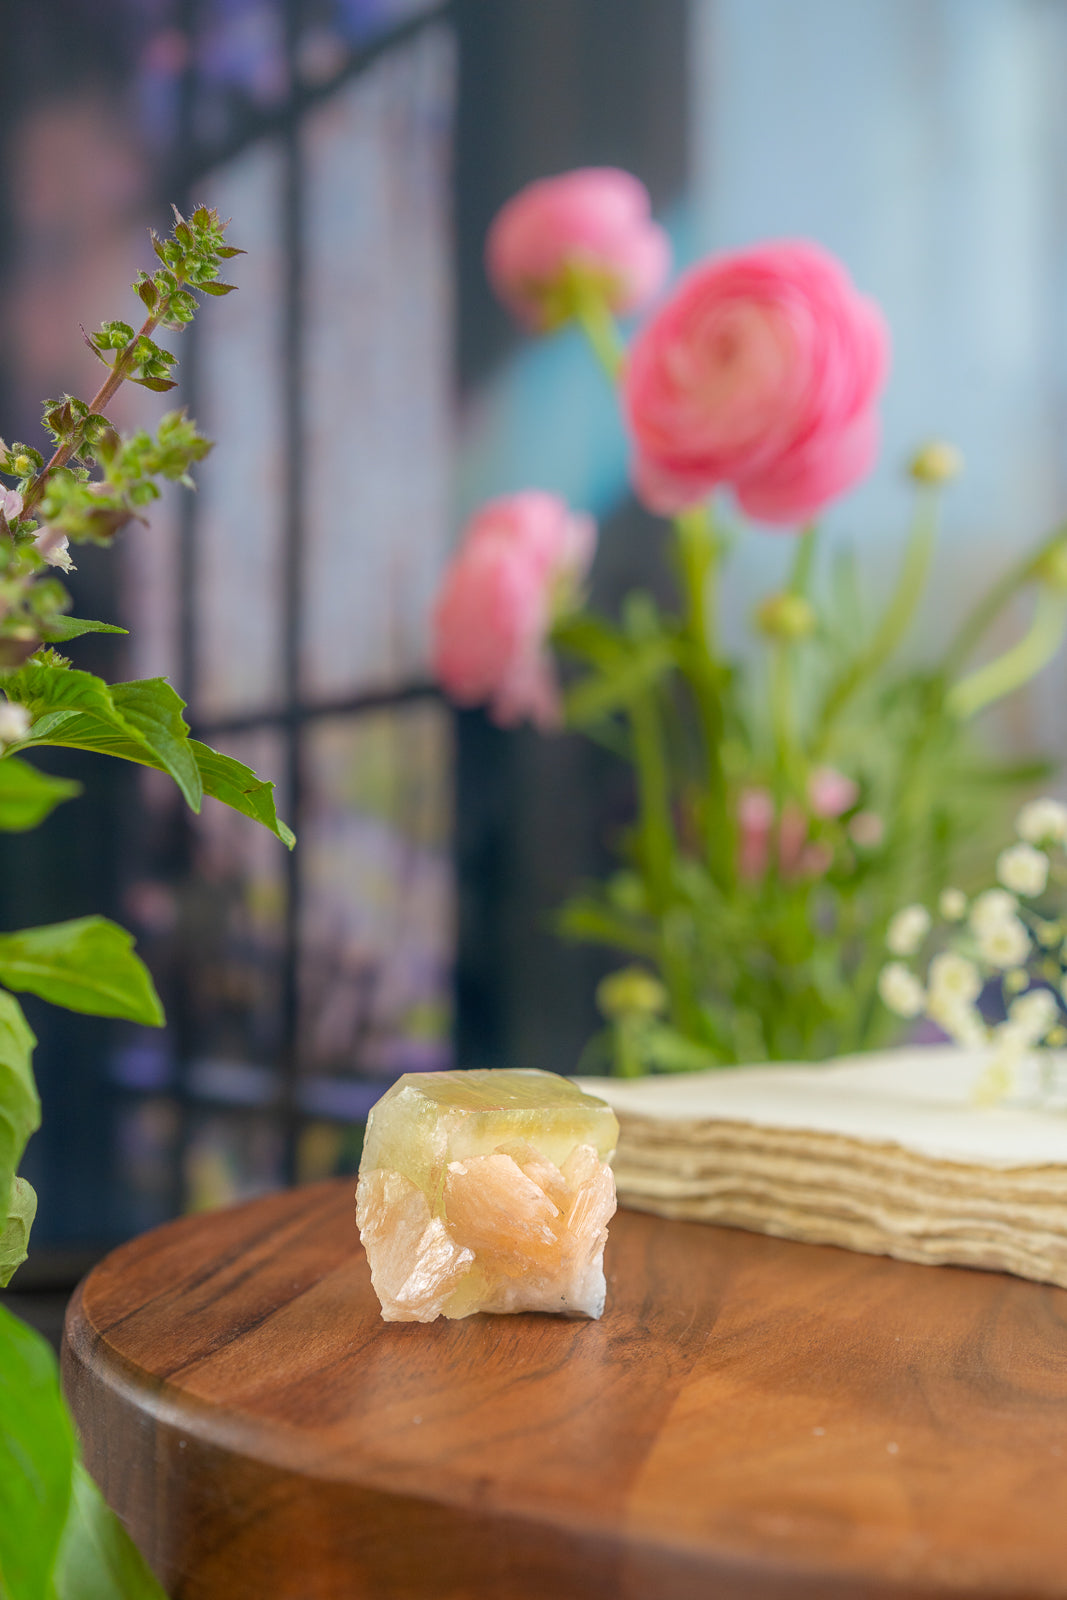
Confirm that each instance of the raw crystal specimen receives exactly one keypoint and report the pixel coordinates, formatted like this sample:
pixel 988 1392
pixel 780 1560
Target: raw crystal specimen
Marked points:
pixel 486 1191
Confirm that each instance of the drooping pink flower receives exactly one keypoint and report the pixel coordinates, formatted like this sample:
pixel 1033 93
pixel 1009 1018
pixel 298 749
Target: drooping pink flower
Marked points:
pixel 596 220
pixel 10 504
pixel 831 793
pixel 521 559
pixel 755 824
pixel 761 372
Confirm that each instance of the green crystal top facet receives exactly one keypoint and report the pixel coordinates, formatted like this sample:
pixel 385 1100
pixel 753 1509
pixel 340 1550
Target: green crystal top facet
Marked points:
pixel 428 1119
pixel 501 1090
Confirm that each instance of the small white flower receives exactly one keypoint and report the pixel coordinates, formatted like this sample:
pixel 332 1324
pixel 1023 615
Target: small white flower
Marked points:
pixel 1042 820
pixel 14 722
pixel 907 930
pixel 10 504
pixel 1023 869
pixel 55 548
pixel 1004 944
pixel 991 908
pixel 960 1020
pixel 901 990
pixel 1033 1014
pixel 952 905
pixel 953 977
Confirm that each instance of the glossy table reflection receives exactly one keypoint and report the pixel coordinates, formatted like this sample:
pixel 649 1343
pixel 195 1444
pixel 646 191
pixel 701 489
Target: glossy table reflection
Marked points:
pixel 751 1417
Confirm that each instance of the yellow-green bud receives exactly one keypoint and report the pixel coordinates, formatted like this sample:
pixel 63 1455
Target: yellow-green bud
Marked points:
pixel 1016 980
pixel 1052 567
pixel 785 616
pixel 630 992
pixel 936 463
pixel 22 465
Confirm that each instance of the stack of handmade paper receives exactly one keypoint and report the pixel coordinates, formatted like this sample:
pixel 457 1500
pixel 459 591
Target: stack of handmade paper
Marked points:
pixel 886 1153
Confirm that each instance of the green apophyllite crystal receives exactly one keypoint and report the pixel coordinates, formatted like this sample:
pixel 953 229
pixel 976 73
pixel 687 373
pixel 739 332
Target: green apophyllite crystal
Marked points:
pixel 486 1191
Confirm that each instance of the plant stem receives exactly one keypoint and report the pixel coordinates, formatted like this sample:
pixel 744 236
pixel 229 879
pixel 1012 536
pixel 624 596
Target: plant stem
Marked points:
pixel 992 604
pixel 655 824
pixel 697 556
pixel 896 618
pixel 1017 665
pixel 602 331
pixel 120 371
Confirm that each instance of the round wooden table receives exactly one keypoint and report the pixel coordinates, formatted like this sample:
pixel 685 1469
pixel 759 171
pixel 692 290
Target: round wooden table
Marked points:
pixel 750 1418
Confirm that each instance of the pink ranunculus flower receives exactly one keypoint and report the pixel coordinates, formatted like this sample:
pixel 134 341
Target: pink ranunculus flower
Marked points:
pixel 595 220
pixel 521 561
pixel 761 372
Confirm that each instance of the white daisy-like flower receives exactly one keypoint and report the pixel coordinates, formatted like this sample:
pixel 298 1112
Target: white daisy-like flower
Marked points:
pixel 952 904
pixel 953 977
pixel 1042 820
pixel 1033 1014
pixel 14 722
pixel 1004 944
pixel 901 990
pixel 991 908
pixel 1023 869
pixel 959 1019
pixel 907 930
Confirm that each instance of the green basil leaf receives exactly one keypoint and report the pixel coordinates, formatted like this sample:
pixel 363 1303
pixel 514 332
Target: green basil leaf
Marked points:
pixel 87 965
pixel 15 1232
pixel 27 796
pixel 138 721
pixel 20 1107
pixel 238 787
pixel 37 1450
pixel 97 1558
pixel 64 628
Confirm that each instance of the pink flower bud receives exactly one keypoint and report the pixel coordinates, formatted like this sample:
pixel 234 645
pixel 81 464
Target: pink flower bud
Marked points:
pixel 761 372
pixel 521 560
pixel 10 504
pixel 755 822
pixel 594 222
pixel 831 793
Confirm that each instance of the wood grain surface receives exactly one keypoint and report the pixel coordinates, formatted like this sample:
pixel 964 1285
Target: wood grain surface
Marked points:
pixel 751 1418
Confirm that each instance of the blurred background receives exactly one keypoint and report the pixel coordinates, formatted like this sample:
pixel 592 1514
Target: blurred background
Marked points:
pixel 367 393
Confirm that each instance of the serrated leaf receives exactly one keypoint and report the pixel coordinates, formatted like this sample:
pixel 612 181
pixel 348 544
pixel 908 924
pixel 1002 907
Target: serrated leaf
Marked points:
pixel 228 251
pixel 139 721
pixel 64 628
pixel 215 288
pixel 86 965
pixel 37 1454
pixel 157 385
pixel 238 787
pixel 27 796
pixel 15 1231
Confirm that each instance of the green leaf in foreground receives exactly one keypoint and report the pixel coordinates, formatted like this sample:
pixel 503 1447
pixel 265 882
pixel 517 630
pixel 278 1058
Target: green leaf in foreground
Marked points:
pixel 238 787
pixel 15 1232
pixel 37 1451
pixel 97 1558
pixel 27 796
pixel 61 629
pixel 87 965
pixel 140 721
pixel 20 1108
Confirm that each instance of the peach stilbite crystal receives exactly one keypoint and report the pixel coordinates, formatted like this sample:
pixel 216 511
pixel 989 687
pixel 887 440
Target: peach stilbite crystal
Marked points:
pixel 486 1191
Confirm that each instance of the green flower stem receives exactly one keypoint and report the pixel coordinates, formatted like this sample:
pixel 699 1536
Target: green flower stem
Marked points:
pixel 789 760
pixel 657 851
pixel 992 604
pixel 600 328
pixel 1017 665
pixel 896 618
pixel 698 558
pixel 655 826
